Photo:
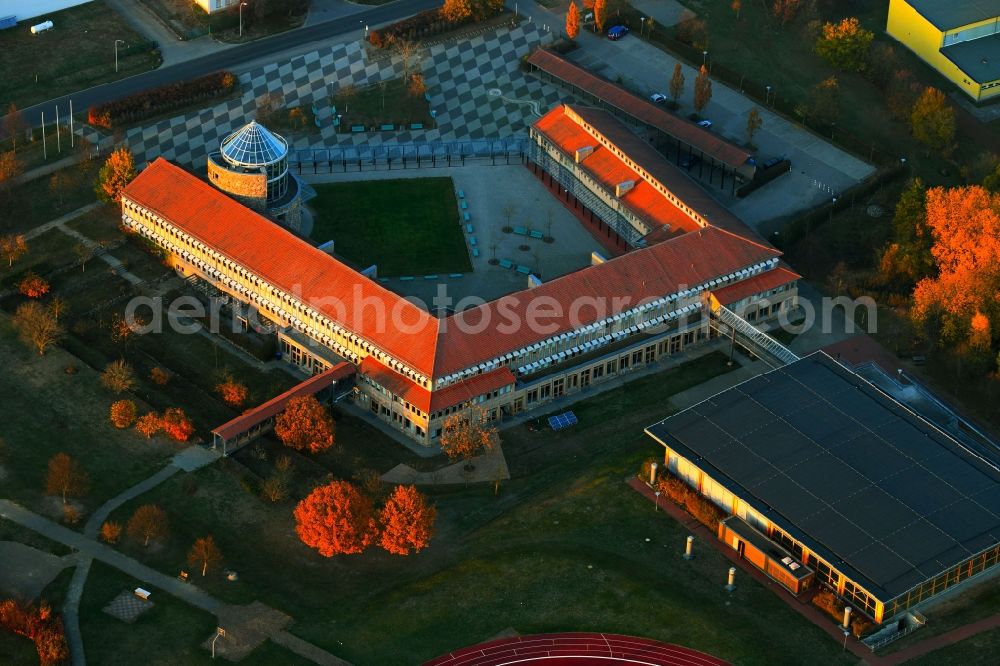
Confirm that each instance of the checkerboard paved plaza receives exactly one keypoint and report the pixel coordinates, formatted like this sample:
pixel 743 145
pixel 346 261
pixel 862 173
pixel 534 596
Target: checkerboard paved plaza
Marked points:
pixel 127 607
pixel 458 74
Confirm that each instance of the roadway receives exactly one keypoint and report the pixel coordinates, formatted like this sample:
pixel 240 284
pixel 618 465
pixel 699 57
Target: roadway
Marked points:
pixel 231 58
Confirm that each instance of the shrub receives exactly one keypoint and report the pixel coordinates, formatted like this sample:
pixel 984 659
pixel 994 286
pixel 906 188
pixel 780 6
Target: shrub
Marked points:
pixel 111 531
pixel 123 413
pixel 177 425
pixel 433 22
pixel 33 286
pixel 161 99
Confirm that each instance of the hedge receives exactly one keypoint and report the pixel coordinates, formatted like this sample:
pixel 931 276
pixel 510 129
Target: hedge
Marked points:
pixel 159 100
pixel 430 23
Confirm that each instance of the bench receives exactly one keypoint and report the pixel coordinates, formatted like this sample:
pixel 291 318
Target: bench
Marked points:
pixel 523 269
pixel 183 576
pixel 430 277
pixel 461 194
pixel 464 205
pixel 475 252
pixel 406 278
pixel 465 216
pixel 536 234
pixel 388 128
pixel 142 594
pixel 507 263
pixel 416 126
pixel 468 228
pixel 521 231
pixel 472 240
pixel 357 128
pixel 454 275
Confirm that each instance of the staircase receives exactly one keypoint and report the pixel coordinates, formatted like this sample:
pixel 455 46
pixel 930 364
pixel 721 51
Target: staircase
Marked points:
pixel 754 339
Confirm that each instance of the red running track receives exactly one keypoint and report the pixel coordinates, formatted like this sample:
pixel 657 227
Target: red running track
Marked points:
pixel 576 649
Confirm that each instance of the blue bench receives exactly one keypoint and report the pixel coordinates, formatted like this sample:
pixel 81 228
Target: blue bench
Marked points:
pixel 430 277
pixel 388 128
pixel 357 128
pixel 468 228
pixel 455 275
pixel 536 234
pixel 427 96
pixel 465 205
pixel 465 216
pixel 406 278
pixel 475 252
pixel 521 231
pixel 461 194
pixel 523 269
pixel 472 240
pixel 507 263
pixel 416 125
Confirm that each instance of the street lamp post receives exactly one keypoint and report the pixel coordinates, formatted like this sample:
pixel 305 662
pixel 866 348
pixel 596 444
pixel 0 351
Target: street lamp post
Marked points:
pixel 767 95
pixel 642 26
pixel 657 493
pixel 242 5
pixel 117 41
pixel 704 57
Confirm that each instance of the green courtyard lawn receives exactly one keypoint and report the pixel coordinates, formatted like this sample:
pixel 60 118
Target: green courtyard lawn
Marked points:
pixel 101 225
pixel 17 650
pixel 407 227
pixel 31 204
pixel 46 252
pixel 76 54
pixel 11 531
pixel 968 652
pixel 562 547
pixel 387 102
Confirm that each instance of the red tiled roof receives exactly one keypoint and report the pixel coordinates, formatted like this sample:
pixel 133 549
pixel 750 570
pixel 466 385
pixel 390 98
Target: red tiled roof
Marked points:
pixel 755 285
pixel 621 283
pixel 608 169
pixel 426 401
pixel 646 112
pixel 272 407
pixel 288 262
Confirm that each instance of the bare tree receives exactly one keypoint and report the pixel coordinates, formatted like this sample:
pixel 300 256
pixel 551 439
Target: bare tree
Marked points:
pixel 37 326
pixel 205 554
pixel 66 477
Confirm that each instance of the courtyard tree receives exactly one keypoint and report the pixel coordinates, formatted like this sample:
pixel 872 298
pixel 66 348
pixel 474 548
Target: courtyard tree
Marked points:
pixel 59 182
pixel 10 169
pixel 406 521
pixel 600 14
pixel 13 247
pixel 572 21
pixel 845 45
pixel 456 11
pixel 785 10
pixel 37 326
pixel 275 487
pixel 336 519
pixel 118 376
pixel 33 285
pixel 305 425
pixel 908 254
pixel 58 307
pixel 123 413
pixel 66 477
pixel 204 554
pixel 469 433
pixel 933 121
pixel 417 86
pixel 823 105
pixel 84 252
pixel 148 523
pixel 737 7
pixel 345 94
pixel 965 226
pixel 677 82
pixel 233 393
pixel 176 424
pixel 117 172
pixel 111 531
pixel 14 125
pixel 702 90
pixel 159 376
pixel 754 123
pixel 149 424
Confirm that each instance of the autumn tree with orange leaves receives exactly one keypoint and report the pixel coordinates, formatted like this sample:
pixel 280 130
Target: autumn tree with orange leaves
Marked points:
pixel 38 624
pixel 406 521
pixel 33 286
pixel 66 477
pixel 600 14
pixel 117 172
pixel 572 21
pixel 149 424
pixel 204 554
pixel 233 392
pixel 176 424
pixel 469 433
pixel 123 413
pixel 702 90
pixel 961 299
pixel 305 425
pixel 148 523
pixel 336 519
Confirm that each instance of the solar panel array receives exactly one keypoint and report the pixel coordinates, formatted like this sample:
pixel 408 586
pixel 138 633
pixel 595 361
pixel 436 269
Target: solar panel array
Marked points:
pixel 868 486
pixel 562 421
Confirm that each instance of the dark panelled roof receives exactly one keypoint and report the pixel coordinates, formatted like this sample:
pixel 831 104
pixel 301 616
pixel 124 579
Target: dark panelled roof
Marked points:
pixel 948 14
pixel 864 483
pixel 978 58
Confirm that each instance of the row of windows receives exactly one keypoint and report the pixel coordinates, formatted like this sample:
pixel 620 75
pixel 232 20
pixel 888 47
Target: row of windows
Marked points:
pixel 972 566
pixel 479 399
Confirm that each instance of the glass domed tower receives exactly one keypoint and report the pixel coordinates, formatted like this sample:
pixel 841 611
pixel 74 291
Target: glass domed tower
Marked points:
pixel 252 166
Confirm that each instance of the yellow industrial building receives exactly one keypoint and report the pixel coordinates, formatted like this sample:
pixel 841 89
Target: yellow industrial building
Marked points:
pixel 958 38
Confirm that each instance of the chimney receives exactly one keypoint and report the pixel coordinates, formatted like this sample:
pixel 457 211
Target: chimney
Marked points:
pixel 583 153
pixel 622 188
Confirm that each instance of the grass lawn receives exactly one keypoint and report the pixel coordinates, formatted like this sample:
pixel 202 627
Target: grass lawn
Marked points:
pixel 46 252
pixel 100 225
pixel 11 531
pixel 33 203
pixel 389 102
pixel 17 650
pixel 407 227
pixel 971 651
pixel 562 547
pixel 76 54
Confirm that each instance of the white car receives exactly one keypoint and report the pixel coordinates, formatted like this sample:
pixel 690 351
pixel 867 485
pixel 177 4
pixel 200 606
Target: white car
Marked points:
pixel 657 98
pixel 707 124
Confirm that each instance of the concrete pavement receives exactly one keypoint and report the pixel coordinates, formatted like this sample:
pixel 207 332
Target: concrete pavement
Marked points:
pixel 173 49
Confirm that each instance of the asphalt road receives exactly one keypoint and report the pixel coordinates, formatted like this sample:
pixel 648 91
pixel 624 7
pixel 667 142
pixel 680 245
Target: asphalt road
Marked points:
pixel 230 58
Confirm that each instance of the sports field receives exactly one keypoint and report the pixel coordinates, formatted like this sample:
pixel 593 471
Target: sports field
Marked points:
pixel 407 227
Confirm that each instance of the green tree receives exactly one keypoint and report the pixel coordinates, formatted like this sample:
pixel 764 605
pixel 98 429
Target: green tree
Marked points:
pixel 933 121
pixel 909 253
pixel 845 45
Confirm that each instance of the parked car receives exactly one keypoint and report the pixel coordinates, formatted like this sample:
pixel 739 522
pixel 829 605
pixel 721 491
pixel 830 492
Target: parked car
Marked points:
pixel 657 98
pixel 772 162
pixel 707 124
pixel 690 162
pixel 616 32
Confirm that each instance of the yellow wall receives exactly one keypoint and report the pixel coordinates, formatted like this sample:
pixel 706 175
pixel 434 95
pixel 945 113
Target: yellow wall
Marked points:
pixel 920 36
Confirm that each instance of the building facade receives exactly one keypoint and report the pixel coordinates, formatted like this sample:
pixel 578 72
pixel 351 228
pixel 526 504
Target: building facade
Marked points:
pixel 958 38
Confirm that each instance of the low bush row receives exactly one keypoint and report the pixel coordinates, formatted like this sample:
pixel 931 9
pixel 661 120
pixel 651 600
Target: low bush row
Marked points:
pixel 161 99
pixel 433 22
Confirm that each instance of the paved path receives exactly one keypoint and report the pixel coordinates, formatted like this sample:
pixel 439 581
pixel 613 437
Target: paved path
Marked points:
pixel 306 649
pixel 71 611
pixel 487 468
pixel 172 49
pixel 60 221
